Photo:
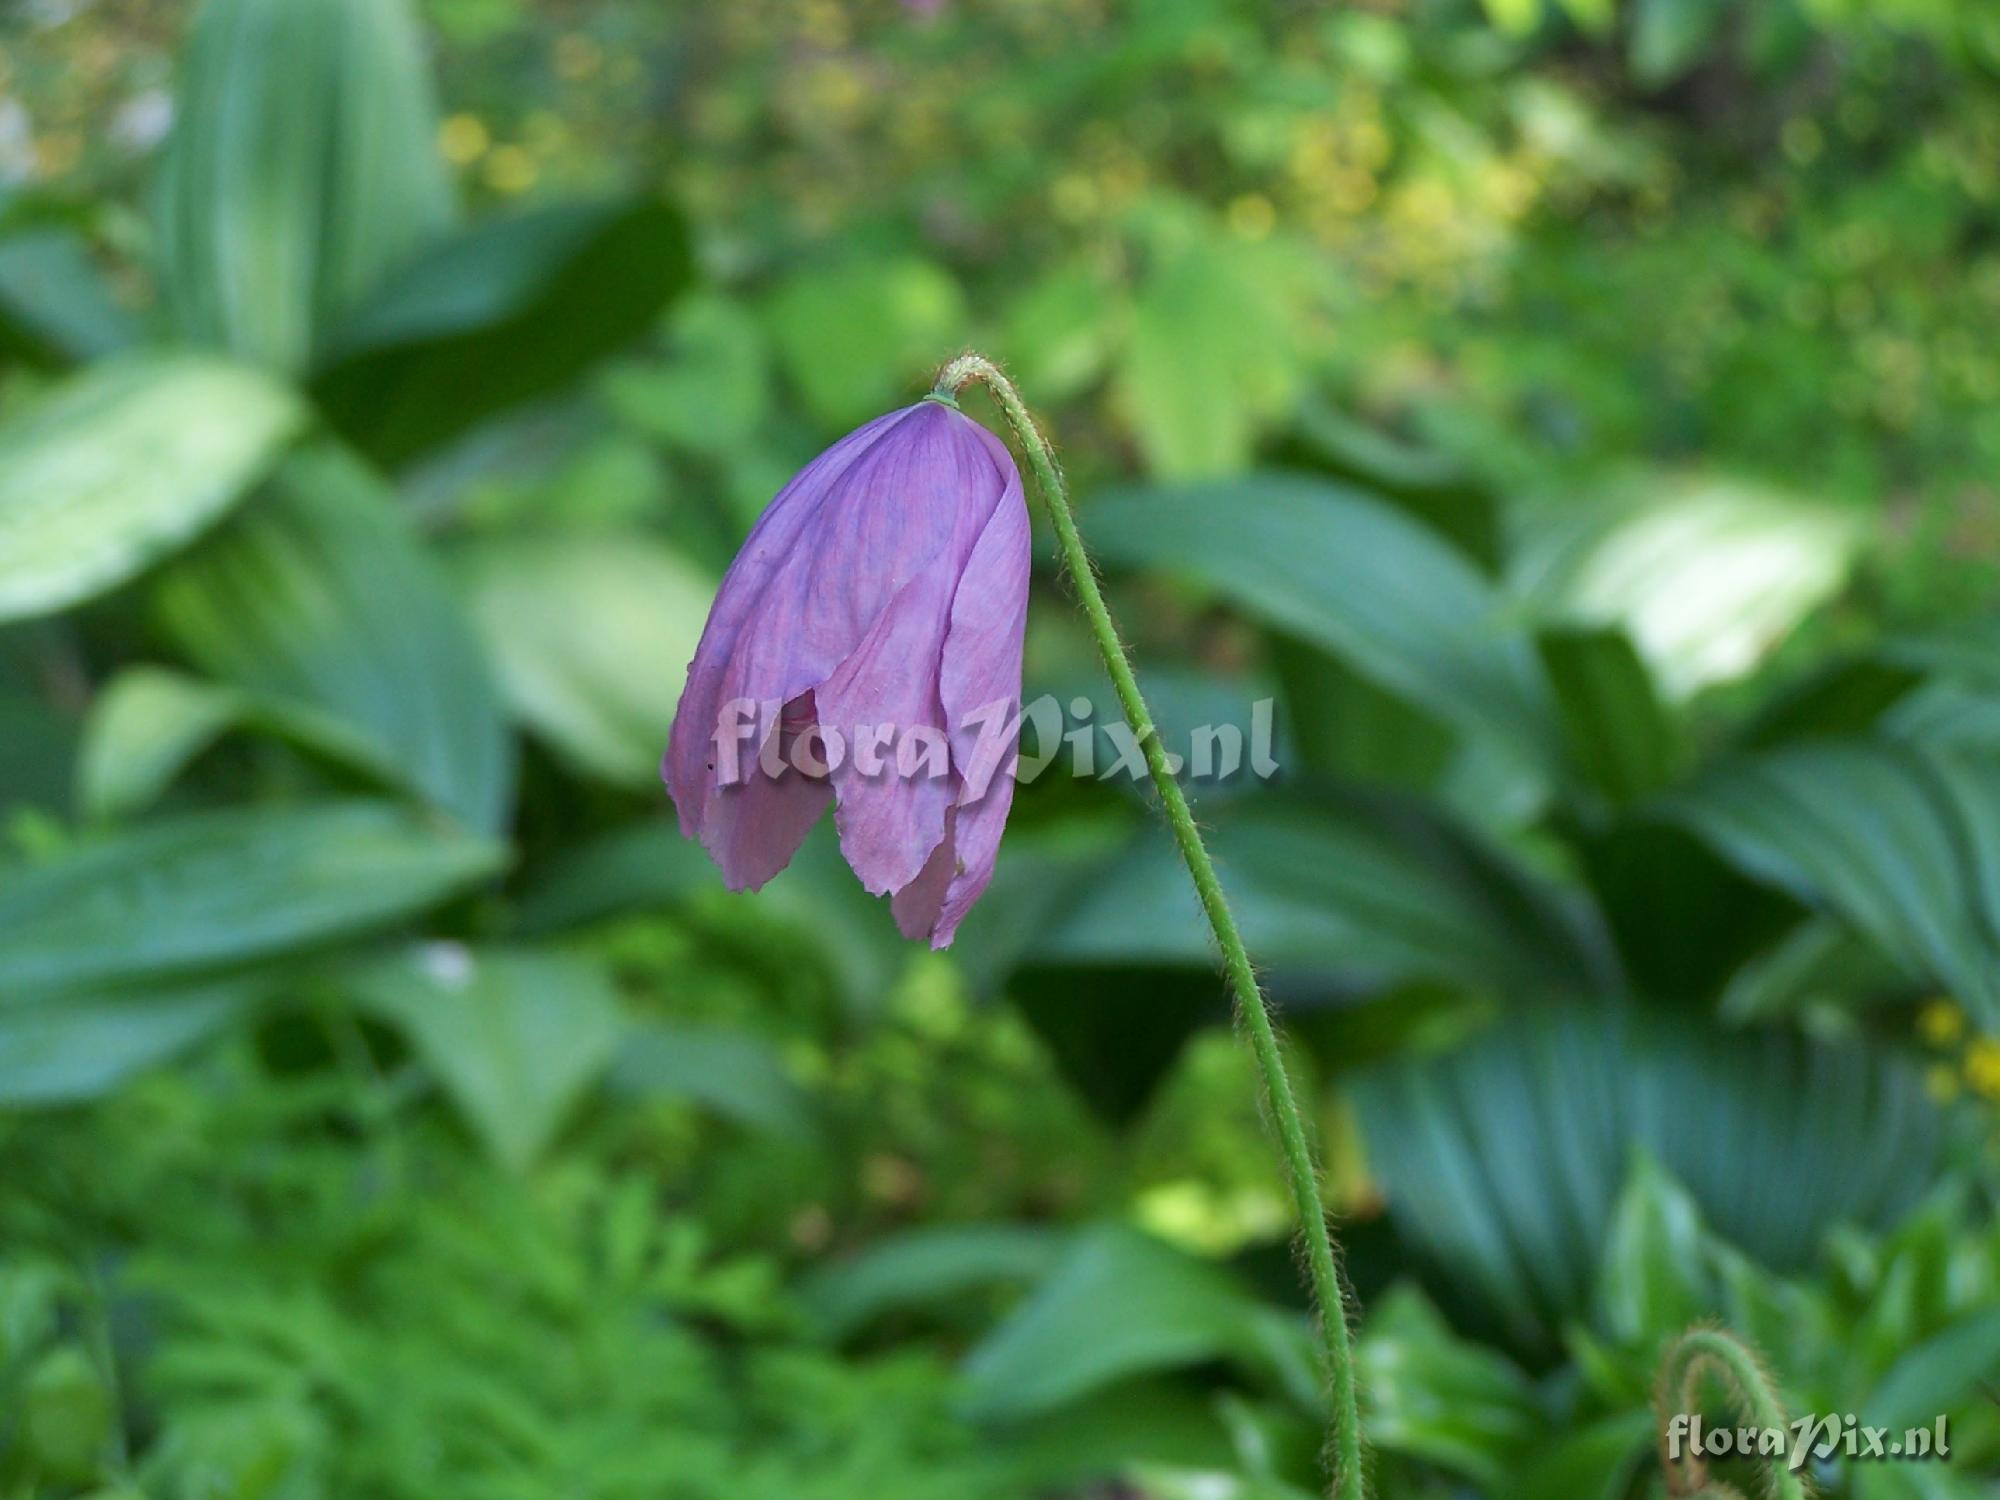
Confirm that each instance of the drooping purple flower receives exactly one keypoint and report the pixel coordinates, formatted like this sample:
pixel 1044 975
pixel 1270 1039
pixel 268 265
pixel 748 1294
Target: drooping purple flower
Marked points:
pixel 864 651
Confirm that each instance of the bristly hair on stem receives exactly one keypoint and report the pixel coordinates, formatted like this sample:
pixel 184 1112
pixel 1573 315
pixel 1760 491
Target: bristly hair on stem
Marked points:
pixel 1711 1352
pixel 1295 1148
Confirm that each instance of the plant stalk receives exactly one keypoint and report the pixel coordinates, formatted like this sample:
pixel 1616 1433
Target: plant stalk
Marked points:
pixel 1345 1447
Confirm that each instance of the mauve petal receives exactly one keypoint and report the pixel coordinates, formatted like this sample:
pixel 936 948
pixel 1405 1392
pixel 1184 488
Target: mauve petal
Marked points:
pixel 752 827
pixel 980 685
pixel 765 551
pixel 918 904
pixel 890 822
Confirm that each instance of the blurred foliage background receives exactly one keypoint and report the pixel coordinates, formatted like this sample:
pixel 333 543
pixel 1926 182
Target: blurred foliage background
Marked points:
pixel 1581 416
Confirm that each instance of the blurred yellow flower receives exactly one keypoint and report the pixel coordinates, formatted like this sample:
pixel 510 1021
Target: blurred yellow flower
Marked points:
pixel 1982 1067
pixel 1941 1083
pixel 1252 216
pixel 1941 1022
pixel 510 170
pixel 463 139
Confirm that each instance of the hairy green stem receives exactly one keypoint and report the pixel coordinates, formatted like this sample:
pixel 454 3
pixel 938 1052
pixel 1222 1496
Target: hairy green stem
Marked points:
pixel 1345 1451
pixel 1698 1354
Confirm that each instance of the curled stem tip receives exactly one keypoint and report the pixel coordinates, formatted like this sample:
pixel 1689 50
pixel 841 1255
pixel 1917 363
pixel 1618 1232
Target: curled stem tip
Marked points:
pixel 1704 1353
pixel 1295 1147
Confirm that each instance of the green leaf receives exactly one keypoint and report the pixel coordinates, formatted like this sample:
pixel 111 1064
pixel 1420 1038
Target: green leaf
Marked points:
pixel 1335 568
pixel 857 337
pixel 144 728
pixel 497 315
pixel 221 888
pixel 1620 735
pixel 925 1266
pixel 734 1074
pixel 76 1047
pixel 1208 357
pixel 1594 1462
pixel 516 1037
pixel 321 600
pixel 1503 1158
pixel 1432 486
pixel 1655 1278
pixel 1441 1398
pixel 303 167
pixel 1706 576
pixel 1940 1374
pixel 1375 886
pixel 591 635
pixel 1901 842
pixel 122 465
pixel 1121 1304
pixel 54 304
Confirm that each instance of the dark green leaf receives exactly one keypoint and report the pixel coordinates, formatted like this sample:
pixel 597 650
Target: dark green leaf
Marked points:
pixel 922 1266
pixel 322 601
pixel 1335 568
pixel 1899 841
pixel 1502 1159
pixel 1621 736
pixel 76 1047
pixel 515 1036
pixel 498 315
pixel 1121 1304
pixel 54 304
pixel 214 889
pixel 734 1074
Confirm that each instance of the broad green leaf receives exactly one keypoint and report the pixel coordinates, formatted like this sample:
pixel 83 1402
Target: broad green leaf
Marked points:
pixel 1621 736
pixel 639 867
pixel 497 315
pixel 1705 576
pixel 591 635
pixel 54 304
pixel 1438 1397
pixel 515 1036
pixel 1594 1462
pixel 925 1266
pixel 1654 1277
pixel 1120 1304
pixel 1943 1372
pixel 1349 575
pixel 1207 358
pixel 303 166
pixel 216 889
pixel 144 727
pixel 322 601
pixel 1845 698
pixel 1901 842
pixel 1377 887
pixel 735 1074
pixel 857 337
pixel 1503 1158
pixel 1435 488
pixel 77 1047
pixel 122 465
